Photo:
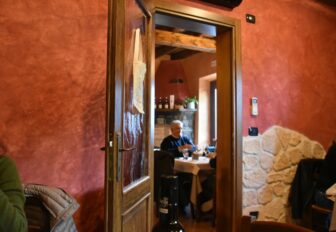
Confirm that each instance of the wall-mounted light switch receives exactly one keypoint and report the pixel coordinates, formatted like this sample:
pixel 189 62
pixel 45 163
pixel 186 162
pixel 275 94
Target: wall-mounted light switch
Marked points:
pixel 254 106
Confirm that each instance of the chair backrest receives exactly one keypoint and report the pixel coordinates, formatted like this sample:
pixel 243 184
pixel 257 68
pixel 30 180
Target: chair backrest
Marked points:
pixel 38 216
pixel 303 187
pixel 320 218
pixel 268 226
pixel 163 165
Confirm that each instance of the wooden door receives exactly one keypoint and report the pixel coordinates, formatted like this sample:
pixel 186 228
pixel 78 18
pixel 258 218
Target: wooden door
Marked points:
pixel 128 131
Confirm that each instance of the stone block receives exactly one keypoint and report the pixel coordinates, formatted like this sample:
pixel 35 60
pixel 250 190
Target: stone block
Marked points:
pixel 295 139
pixel 266 161
pixel 249 197
pixel 254 178
pixel 251 145
pixel 281 162
pixel 307 149
pixel 265 195
pixel 318 151
pixel 295 155
pixel 275 177
pixel 284 136
pixel 250 162
pixel 270 142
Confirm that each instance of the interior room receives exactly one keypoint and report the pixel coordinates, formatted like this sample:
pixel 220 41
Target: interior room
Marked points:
pixel 55 63
pixel 185 72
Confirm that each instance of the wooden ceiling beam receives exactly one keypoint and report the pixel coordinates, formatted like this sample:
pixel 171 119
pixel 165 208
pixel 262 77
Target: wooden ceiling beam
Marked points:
pixel 180 40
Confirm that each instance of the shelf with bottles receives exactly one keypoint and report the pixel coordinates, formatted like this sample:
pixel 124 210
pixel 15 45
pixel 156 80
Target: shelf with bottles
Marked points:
pixel 162 103
pixel 175 110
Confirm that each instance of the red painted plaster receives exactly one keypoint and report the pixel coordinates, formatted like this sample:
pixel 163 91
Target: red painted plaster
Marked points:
pixel 52 84
pixel 288 63
pixel 169 71
pixel 52 97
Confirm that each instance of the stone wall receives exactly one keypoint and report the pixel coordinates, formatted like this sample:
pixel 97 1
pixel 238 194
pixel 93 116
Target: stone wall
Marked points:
pixel 269 165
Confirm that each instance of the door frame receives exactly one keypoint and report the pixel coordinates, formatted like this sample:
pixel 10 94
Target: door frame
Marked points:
pixel 229 93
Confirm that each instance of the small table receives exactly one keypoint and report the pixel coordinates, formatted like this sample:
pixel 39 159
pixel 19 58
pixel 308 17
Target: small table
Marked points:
pixel 193 166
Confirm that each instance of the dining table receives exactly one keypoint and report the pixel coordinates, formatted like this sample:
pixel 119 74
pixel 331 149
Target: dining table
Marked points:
pixel 195 167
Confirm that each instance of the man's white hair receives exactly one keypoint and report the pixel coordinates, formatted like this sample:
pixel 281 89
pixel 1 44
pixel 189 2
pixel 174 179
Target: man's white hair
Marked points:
pixel 175 123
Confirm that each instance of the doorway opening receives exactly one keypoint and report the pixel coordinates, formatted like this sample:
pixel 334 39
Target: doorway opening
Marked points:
pixel 188 65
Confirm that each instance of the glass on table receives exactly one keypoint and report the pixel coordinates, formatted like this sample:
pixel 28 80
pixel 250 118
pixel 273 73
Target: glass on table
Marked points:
pixel 185 153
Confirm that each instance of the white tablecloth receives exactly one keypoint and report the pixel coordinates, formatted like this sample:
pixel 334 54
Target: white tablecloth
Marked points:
pixel 193 167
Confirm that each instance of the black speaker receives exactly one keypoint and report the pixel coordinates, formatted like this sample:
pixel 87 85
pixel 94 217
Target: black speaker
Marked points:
pixel 226 3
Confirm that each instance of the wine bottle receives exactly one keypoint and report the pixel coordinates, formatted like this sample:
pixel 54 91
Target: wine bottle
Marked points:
pixel 160 103
pixel 166 104
pixel 168 206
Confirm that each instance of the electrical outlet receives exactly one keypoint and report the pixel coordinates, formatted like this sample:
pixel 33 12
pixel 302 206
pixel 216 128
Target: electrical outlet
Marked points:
pixel 253 131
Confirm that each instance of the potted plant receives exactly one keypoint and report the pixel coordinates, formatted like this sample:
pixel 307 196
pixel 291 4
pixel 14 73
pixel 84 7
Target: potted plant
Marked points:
pixel 191 102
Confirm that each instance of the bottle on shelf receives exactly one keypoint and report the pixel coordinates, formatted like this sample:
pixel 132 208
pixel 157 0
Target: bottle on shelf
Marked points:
pixel 160 103
pixel 168 206
pixel 166 103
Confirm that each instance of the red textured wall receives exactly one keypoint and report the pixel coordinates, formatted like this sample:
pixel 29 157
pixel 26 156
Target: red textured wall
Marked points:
pixel 169 71
pixel 188 69
pixel 52 97
pixel 52 84
pixel 288 63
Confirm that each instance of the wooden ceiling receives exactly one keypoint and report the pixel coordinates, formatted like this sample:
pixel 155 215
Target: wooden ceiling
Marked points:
pixel 180 38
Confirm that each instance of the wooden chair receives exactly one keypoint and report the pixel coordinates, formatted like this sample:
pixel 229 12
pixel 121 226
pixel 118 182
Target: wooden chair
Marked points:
pixel 268 226
pixel 163 165
pixel 320 218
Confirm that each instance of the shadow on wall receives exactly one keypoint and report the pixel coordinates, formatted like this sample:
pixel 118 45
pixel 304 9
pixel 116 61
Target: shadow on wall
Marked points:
pixel 90 216
pixel 3 148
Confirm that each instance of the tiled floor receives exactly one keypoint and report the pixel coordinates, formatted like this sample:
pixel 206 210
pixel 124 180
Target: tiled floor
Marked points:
pixel 202 225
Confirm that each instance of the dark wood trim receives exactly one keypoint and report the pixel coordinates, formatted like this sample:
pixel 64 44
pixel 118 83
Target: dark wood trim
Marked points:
pixel 114 79
pixel 151 103
pixel 177 22
pixel 116 201
pixel 144 9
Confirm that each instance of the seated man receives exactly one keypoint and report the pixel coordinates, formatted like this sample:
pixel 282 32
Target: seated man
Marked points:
pixel 12 216
pixel 174 144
